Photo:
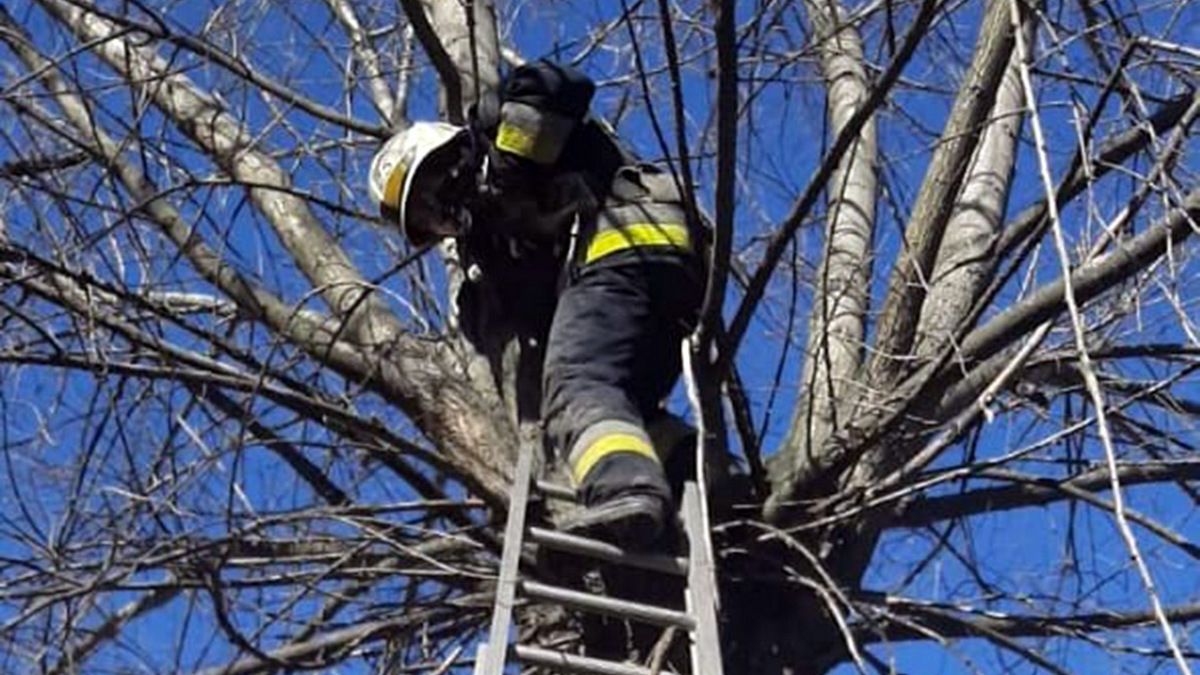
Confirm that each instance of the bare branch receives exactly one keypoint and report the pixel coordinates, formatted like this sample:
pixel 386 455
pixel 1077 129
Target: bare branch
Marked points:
pixel 112 626
pixel 238 66
pixel 1032 491
pixel 936 199
pixel 962 622
pixel 418 375
pixel 1091 381
pixel 442 62
pixel 837 323
pixel 460 38
pixel 358 634
pixel 1113 152
pixel 817 184
pixel 1088 281
pixel 364 53
pixel 964 261
pixel 183 416
pixel 232 147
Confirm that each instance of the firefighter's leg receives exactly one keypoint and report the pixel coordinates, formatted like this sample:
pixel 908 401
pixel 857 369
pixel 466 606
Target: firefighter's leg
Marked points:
pixel 608 364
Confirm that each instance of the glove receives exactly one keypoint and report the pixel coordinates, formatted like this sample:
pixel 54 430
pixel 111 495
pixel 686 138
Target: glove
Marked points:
pixel 541 103
pixel 550 87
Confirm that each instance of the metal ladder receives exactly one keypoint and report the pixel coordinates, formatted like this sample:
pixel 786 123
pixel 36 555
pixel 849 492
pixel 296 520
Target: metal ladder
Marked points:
pixel 699 621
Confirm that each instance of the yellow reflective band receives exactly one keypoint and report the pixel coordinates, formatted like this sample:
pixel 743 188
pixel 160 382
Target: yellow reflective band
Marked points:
pixel 637 234
pixel 395 183
pixel 607 445
pixel 513 139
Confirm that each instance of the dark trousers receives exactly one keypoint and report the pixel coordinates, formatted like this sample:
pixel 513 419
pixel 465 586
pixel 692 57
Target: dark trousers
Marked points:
pixel 613 352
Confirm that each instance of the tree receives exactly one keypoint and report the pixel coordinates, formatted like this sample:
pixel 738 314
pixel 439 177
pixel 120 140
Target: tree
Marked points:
pixel 245 429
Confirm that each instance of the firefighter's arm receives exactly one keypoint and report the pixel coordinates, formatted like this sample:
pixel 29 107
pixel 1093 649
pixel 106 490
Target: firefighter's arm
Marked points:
pixel 528 194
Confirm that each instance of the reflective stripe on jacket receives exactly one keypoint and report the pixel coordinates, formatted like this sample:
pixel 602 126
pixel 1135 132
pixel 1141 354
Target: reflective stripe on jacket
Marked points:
pixel 642 212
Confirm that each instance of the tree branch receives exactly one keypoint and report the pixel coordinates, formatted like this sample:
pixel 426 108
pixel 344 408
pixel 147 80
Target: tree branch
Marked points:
pixel 836 326
pixel 965 263
pixel 355 635
pixel 291 455
pixel 364 53
pixel 463 45
pixel 79 653
pixel 936 199
pixel 238 67
pixel 817 184
pixel 958 622
pixel 1088 281
pixel 438 56
pixel 418 376
pixel 1032 491
pixel 232 147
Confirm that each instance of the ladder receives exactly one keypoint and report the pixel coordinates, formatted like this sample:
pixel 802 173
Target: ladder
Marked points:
pixel 699 621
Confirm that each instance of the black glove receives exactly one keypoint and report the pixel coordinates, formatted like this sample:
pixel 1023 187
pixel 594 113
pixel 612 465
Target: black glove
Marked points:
pixel 550 87
pixel 541 103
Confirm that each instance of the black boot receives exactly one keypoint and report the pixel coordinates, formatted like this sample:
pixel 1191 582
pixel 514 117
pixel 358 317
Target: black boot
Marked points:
pixel 626 499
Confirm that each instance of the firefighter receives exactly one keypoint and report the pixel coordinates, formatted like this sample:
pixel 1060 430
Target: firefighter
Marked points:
pixel 533 184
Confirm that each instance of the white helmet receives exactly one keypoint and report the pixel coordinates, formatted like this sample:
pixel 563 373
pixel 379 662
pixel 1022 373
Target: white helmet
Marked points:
pixel 407 172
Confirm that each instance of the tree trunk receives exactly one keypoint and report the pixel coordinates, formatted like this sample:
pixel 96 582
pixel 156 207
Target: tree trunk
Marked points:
pixel 936 200
pixel 837 323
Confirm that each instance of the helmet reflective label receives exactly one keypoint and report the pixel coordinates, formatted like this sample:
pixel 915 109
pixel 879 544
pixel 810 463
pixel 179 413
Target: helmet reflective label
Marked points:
pixel 395 182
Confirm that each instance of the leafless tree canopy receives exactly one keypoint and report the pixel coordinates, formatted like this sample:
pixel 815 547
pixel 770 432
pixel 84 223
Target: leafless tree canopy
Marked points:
pixel 950 334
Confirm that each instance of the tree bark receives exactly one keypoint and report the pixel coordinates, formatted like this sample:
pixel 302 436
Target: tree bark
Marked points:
pixel 836 324
pixel 424 379
pixel 964 265
pixel 467 31
pixel 204 120
pixel 368 60
pixel 964 262
pixel 937 197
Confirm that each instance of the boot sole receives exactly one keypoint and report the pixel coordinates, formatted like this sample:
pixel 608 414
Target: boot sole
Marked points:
pixel 630 522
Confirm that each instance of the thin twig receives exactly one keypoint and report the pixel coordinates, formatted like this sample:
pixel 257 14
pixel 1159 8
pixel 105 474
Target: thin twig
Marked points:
pixel 1085 363
pixel 438 55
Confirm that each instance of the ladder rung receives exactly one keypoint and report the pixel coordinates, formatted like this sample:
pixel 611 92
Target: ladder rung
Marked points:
pixel 624 609
pixel 561 662
pixel 561 541
pixel 556 491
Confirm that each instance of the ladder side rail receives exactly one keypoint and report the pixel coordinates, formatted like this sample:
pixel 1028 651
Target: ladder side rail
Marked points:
pixel 510 561
pixel 480 658
pixel 702 598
